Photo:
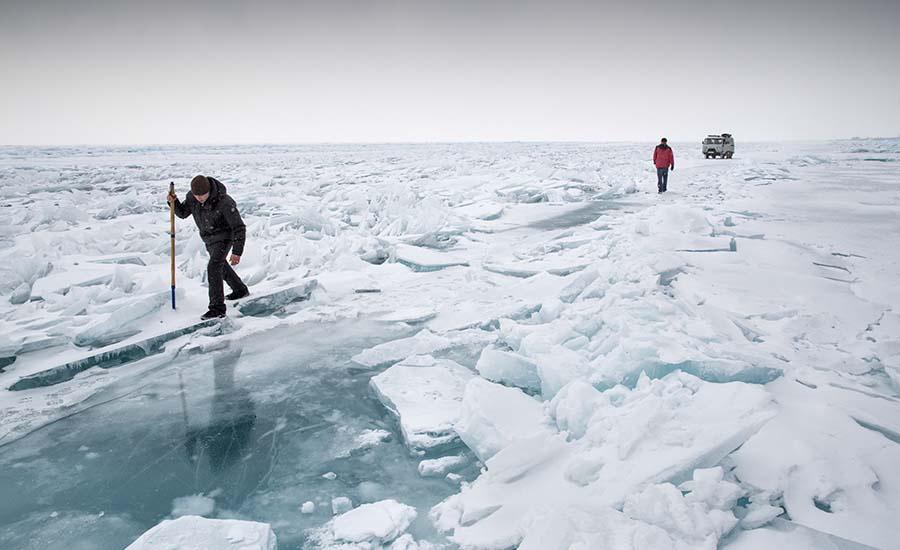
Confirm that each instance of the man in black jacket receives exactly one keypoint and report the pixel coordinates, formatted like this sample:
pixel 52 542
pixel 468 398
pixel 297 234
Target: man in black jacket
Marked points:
pixel 221 229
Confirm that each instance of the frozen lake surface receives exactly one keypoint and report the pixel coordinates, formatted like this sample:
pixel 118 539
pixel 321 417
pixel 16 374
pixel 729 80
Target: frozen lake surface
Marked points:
pixel 482 346
pixel 252 428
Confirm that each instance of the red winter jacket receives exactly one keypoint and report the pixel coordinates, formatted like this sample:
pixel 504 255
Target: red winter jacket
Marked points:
pixel 663 157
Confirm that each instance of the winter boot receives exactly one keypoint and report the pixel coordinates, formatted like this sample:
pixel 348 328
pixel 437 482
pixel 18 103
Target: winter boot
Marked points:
pixel 212 314
pixel 238 294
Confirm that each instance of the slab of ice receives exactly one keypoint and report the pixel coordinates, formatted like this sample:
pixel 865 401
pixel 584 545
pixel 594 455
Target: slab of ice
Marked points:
pixel 660 431
pixel 574 406
pixel 120 259
pixel 494 416
pixel 423 342
pixel 426 399
pixel 196 533
pixel 267 304
pixel 61 280
pixel 482 314
pixel 440 466
pixel 507 367
pixel 118 325
pixel 380 521
pixel 760 514
pixel 786 534
pixel 482 210
pixel 425 259
pixel 108 358
pixel 370 526
pixel 408 315
pixel 530 269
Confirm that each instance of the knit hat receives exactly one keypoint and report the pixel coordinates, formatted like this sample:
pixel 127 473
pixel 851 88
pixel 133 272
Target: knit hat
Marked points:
pixel 200 185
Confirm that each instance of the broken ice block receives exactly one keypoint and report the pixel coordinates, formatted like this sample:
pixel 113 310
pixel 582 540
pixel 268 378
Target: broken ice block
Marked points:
pixel 426 399
pixel 221 534
pixel 424 259
pixel 493 416
pixel 509 368
pixel 369 526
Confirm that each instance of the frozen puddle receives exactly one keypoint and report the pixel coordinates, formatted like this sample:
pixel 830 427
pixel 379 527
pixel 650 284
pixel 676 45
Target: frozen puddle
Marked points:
pixel 276 431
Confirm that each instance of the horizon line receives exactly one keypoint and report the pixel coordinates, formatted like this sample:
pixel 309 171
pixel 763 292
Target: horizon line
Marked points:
pixel 435 142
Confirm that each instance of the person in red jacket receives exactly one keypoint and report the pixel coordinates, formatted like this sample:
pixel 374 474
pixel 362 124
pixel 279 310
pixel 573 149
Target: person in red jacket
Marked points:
pixel 664 159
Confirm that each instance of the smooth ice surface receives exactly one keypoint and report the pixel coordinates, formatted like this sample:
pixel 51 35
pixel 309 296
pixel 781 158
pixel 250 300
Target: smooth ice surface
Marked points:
pixel 197 533
pixel 509 368
pixel 243 431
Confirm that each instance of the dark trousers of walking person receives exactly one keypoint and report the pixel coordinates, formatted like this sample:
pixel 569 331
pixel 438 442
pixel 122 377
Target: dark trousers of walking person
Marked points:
pixel 662 179
pixel 218 270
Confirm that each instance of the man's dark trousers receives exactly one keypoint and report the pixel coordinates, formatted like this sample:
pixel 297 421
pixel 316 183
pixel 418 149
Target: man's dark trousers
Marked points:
pixel 662 178
pixel 218 269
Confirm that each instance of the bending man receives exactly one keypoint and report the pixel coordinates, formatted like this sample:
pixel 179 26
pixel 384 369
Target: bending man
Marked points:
pixel 221 229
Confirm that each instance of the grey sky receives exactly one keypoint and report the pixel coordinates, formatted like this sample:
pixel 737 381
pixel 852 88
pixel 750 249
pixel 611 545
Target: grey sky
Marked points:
pixel 100 71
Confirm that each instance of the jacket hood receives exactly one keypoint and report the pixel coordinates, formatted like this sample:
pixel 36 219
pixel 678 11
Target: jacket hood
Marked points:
pixel 661 146
pixel 216 189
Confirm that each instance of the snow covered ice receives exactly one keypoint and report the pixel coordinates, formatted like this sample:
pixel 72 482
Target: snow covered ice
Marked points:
pixel 485 346
pixel 197 533
pixel 426 396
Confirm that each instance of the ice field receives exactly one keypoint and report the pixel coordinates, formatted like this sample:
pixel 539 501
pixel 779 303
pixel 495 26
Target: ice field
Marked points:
pixel 475 346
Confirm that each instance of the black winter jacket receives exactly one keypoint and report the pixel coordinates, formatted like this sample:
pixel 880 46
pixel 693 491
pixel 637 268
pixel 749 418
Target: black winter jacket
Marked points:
pixel 218 218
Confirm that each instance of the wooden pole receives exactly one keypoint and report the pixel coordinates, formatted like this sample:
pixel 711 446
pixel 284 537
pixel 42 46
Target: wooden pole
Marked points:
pixel 172 234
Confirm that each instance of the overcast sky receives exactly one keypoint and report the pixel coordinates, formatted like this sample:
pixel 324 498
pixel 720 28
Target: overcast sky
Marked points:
pixel 98 71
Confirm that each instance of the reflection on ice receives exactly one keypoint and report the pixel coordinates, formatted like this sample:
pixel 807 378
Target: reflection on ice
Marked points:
pixel 223 439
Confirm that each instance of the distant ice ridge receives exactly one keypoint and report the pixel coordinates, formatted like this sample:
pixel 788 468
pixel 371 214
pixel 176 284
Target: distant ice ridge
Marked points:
pixel 197 533
pixel 588 452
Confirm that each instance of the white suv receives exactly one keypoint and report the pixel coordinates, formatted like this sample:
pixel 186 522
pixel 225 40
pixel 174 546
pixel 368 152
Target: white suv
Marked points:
pixel 718 146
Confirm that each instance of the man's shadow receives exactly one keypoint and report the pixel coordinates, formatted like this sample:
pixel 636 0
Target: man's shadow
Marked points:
pixel 232 419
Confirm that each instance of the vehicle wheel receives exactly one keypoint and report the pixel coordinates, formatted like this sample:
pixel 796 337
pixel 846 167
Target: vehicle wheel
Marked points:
pixel 730 154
